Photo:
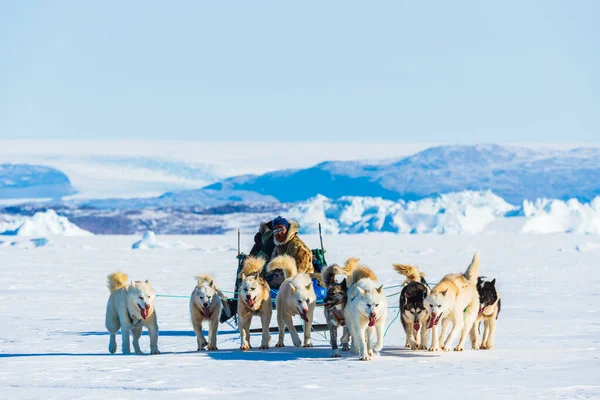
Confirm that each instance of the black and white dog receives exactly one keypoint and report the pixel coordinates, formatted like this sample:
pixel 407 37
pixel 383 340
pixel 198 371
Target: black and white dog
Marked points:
pixel 489 309
pixel 414 315
pixel 335 302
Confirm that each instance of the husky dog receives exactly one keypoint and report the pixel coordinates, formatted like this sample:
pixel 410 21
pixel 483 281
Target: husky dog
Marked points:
pixel 206 303
pixel 253 299
pixel 489 309
pixel 296 296
pixel 413 312
pixel 130 307
pixel 365 312
pixel 335 302
pixel 454 299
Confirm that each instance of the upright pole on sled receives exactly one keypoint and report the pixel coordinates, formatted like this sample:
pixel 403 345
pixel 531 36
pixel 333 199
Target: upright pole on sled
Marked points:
pixel 321 238
pixel 238 242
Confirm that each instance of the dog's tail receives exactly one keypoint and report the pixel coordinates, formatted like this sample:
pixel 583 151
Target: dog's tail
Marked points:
pixel 348 267
pixel 411 272
pixel 472 271
pixel 252 266
pixel 285 263
pixel 205 278
pixel 116 281
pixel 361 272
pixel 329 274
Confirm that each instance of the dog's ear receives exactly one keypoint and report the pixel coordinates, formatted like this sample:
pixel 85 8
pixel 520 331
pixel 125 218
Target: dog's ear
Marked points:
pixel 344 285
pixel 380 289
pixel 147 281
pixel 493 282
pixel 243 276
pixel 361 291
pixel 293 288
pixel 405 299
pixel 444 292
pixel 308 286
pixel 132 283
pixel 210 284
pixel 424 295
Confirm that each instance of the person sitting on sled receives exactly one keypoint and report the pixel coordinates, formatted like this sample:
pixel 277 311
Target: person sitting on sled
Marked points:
pixel 285 237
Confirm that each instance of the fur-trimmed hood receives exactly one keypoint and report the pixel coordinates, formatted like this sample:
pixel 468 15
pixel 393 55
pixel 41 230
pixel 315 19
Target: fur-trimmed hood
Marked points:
pixel 291 233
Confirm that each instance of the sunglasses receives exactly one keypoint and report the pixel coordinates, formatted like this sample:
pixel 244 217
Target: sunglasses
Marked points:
pixel 278 231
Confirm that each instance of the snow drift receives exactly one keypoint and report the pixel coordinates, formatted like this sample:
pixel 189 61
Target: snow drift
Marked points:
pixel 554 216
pixel 463 212
pixel 47 223
pixel 149 241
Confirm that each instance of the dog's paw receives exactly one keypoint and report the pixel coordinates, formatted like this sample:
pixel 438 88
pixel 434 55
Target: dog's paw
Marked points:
pixel 475 347
pixel 434 348
pixel 422 347
pixel 245 347
pixel 297 343
pixel 139 352
pixel 459 348
pixel 203 344
pixel 336 355
pixel 264 347
pixel 407 345
pixel 307 345
pixel 366 357
pixel 154 351
pixel 212 347
pixel 112 348
pixel 126 352
pixel 414 346
pixel 345 347
pixel 445 348
pixel 280 344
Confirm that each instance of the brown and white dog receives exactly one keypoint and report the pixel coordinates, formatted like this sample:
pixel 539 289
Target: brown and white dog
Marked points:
pixel 253 299
pixel 454 299
pixel 130 307
pixel 335 302
pixel 414 315
pixel 206 303
pixel 296 297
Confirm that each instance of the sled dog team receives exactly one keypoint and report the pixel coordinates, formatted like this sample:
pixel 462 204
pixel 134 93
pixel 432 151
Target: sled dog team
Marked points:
pixel 356 303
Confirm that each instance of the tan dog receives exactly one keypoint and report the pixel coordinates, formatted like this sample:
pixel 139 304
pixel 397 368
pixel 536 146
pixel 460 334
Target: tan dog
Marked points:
pixel 253 299
pixel 454 299
pixel 130 308
pixel 296 297
pixel 206 303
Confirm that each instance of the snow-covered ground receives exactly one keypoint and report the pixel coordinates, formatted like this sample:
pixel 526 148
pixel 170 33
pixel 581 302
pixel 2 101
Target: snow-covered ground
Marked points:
pixel 53 343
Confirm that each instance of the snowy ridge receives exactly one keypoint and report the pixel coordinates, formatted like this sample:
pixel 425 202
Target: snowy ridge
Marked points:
pixel 463 212
pixel 554 216
pixel 47 223
pixel 513 173
pixel 32 181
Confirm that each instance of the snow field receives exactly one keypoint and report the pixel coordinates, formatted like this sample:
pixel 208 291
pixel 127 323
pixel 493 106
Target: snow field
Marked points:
pixel 53 341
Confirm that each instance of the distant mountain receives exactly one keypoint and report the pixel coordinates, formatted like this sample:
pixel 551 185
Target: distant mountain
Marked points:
pixel 19 181
pixel 513 173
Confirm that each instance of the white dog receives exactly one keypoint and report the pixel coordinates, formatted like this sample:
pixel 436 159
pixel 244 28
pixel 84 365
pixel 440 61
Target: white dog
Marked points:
pixel 206 303
pixel 454 299
pixel 130 307
pixel 296 297
pixel 365 312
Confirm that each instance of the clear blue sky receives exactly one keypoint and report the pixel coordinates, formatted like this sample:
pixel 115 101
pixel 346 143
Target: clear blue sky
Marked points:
pixel 441 71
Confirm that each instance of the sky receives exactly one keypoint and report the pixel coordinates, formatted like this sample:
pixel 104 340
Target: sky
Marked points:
pixel 335 71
